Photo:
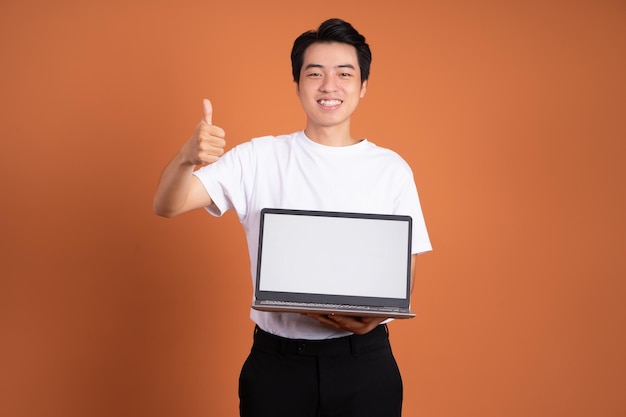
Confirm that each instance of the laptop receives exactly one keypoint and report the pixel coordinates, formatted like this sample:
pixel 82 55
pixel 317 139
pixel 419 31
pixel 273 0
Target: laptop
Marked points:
pixel 334 262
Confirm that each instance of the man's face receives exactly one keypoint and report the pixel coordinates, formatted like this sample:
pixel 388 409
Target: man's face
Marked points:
pixel 330 85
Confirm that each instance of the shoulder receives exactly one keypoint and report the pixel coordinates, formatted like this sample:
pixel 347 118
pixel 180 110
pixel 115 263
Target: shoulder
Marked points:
pixel 268 142
pixel 273 141
pixel 387 156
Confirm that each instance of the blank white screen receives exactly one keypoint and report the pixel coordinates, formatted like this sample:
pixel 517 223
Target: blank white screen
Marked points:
pixel 334 255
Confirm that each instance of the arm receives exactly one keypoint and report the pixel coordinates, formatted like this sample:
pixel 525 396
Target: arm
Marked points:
pixel 179 190
pixel 413 261
pixel 359 325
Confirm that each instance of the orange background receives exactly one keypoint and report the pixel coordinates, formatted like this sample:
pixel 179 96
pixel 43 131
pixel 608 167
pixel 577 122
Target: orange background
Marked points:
pixel 512 115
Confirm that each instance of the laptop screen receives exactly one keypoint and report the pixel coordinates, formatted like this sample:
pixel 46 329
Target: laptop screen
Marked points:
pixel 347 256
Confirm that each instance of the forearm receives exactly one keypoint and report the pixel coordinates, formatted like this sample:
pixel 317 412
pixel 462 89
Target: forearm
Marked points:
pixel 413 261
pixel 174 188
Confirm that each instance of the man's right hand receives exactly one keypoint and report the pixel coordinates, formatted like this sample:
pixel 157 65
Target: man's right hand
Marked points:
pixel 207 143
pixel 179 190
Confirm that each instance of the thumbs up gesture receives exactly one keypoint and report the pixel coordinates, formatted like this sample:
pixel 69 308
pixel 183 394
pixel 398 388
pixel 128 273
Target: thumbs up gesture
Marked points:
pixel 207 143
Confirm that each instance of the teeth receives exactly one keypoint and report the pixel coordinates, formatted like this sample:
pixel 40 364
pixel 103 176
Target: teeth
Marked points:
pixel 330 102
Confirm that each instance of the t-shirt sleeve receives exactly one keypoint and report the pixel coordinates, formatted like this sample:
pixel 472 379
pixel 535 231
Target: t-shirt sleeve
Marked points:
pixel 226 180
pixel 408 202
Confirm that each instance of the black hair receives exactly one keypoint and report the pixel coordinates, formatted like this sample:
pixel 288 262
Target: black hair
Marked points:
pixel 332 30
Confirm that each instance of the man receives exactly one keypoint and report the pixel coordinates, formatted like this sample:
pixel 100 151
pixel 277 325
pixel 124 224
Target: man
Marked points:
pixel 306 365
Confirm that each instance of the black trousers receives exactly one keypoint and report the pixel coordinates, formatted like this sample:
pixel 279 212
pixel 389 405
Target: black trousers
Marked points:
pixel 352 376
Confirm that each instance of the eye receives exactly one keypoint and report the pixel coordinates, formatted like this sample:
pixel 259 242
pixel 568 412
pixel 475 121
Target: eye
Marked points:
pixel 314 75
pixel 345 75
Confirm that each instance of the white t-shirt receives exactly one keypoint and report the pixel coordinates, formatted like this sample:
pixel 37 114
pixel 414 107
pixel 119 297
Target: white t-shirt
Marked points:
pixel 293 172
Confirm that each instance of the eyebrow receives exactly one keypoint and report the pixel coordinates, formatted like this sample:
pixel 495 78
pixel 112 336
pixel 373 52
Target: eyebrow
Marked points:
pixel 336 66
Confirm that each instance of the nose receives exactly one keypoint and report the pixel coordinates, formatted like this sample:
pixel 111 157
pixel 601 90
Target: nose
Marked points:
pixel 329 85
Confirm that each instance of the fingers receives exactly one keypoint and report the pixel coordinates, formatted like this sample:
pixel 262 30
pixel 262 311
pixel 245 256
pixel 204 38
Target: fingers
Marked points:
pixel 207 131
pixel 358 325
pixel 324 319
pixel 210 146
pixel 207 144
pixel 207 113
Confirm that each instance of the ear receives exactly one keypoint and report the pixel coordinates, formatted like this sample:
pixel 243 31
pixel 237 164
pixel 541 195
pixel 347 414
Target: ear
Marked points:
pixel 363 89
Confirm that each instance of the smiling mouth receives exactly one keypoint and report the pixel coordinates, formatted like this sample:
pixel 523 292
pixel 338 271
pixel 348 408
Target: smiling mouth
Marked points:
pixel 329 103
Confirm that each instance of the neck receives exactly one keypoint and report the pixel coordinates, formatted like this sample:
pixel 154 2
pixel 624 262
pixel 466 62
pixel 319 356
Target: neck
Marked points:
pixel 330 136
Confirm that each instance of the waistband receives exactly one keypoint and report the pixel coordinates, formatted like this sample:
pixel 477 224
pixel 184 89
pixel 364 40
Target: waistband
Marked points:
pixel 347 345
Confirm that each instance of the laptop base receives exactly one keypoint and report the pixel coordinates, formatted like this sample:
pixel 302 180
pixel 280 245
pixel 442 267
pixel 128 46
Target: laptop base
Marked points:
pixel 304 308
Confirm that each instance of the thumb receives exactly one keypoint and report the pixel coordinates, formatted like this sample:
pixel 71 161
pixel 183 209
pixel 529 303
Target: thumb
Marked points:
pixel 207 115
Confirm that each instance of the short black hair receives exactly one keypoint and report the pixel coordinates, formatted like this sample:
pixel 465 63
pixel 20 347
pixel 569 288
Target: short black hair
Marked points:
pixel 331 30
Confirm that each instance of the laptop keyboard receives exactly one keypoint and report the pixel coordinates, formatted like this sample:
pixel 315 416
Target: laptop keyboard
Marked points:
pixel 316 305
pixel 326 306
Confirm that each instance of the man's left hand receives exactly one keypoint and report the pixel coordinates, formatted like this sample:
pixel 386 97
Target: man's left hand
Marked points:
pixel 357 325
